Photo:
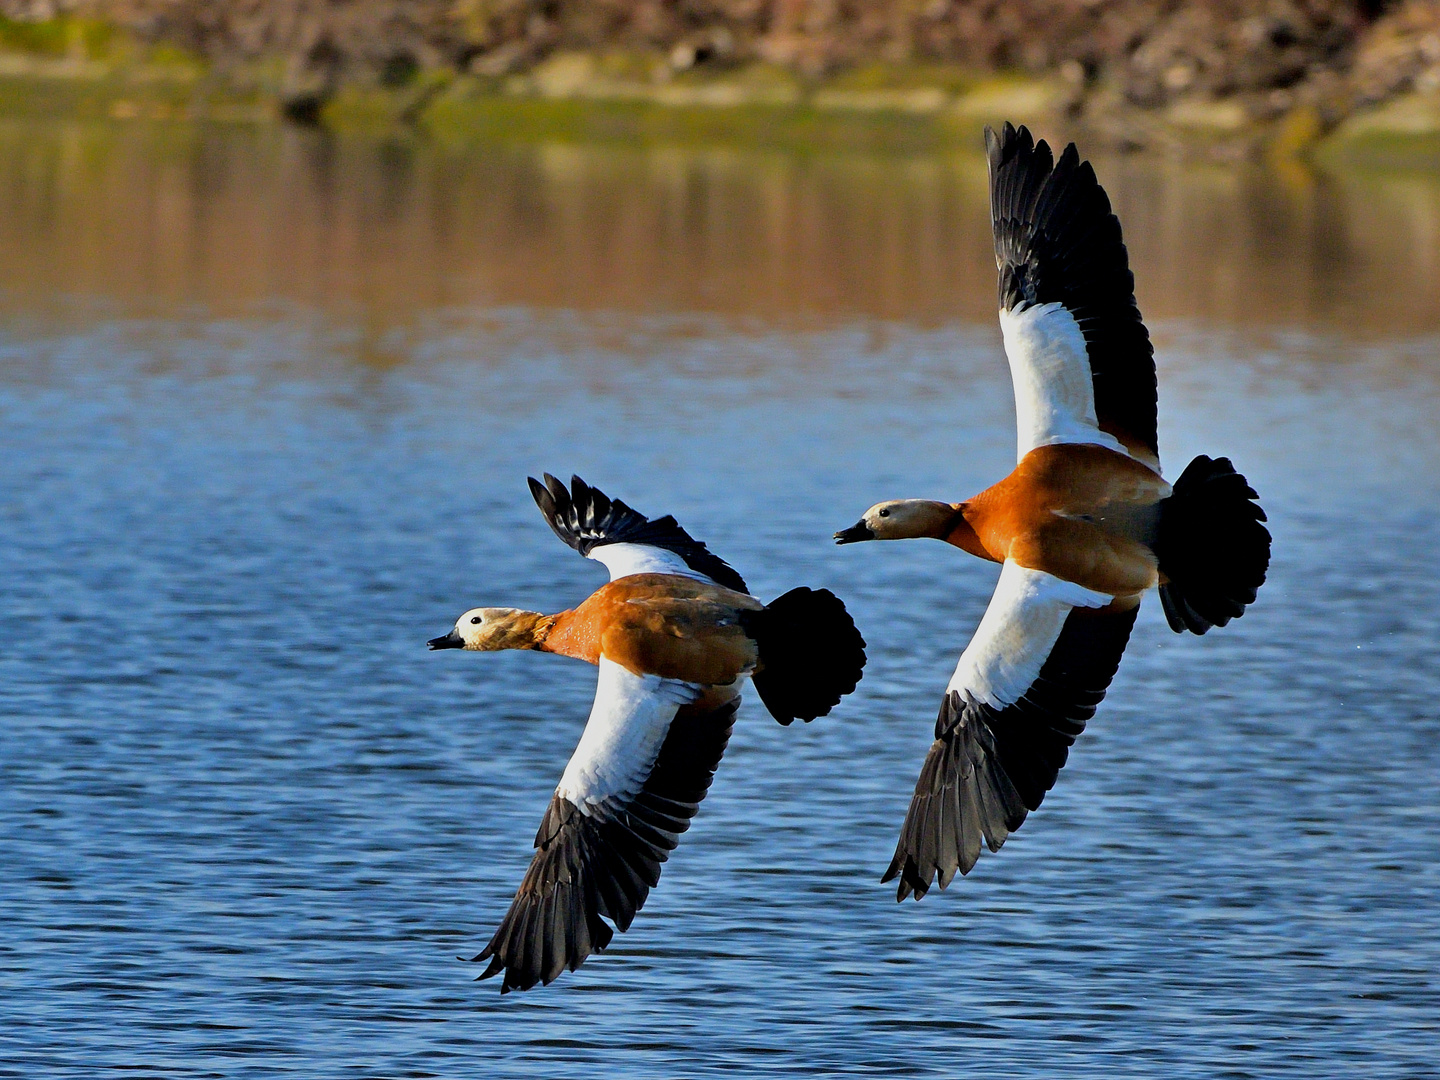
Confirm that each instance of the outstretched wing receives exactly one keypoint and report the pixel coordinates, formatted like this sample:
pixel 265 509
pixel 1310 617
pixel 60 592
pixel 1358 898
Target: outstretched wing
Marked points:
pixel 1039 664
pixel 642 767
pixel 1080 356
pixel 625 540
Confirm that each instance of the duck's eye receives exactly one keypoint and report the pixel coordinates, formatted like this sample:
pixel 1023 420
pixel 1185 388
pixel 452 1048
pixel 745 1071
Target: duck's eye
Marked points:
pixel 884 513
pixel 475 621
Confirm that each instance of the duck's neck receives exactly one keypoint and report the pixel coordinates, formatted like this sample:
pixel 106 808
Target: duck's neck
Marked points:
pixel 573 633
pixel 913 519
pixel 523 630
pixel 961 532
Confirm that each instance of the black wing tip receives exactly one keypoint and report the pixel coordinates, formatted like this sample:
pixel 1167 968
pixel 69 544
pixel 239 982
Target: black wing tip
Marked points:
pixel 1007 138
pixel 585 518
pixel 553 487
pixel 554 503
pixel 1013 141
pixel 993 144
pixel 596 503
pixel 589 869
pixel 988 768
pixel 911 883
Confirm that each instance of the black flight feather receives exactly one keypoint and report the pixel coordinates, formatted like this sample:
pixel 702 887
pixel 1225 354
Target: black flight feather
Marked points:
pixel 990 767
pixel 602 866
pixel 1056 241
pixel 585 518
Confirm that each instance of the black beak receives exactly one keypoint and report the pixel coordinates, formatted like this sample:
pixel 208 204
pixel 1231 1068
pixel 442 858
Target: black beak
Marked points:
pixel 452 640
pixel 854 534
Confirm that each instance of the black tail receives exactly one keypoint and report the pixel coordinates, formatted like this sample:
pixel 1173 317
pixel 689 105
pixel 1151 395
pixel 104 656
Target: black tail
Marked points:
pixel 811 654
pixel 1211 546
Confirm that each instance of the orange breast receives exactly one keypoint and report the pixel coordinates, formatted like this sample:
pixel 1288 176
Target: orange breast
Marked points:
pixel 1083 513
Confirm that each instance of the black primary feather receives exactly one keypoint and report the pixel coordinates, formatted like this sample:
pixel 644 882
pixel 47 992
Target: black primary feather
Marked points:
pixel 585 519
pixel 1211 546
pixel 811 653
pixel 588 869
pixel 988 768
pixel 1056 241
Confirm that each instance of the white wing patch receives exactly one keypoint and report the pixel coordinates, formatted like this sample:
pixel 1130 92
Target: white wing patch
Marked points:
pixel 1017 632
pixel 628 723
pixel 622 560
pixel 1054 386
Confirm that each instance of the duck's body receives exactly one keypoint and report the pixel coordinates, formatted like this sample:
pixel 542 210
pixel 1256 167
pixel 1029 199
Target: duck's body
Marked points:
pixel 1083 513
pixel 675 634
pixel 1083 526
pixel 659 624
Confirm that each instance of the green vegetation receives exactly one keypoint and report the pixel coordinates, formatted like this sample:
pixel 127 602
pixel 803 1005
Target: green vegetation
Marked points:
pixel 86 39
pixel 82 68
pixel 469 111
pixel 75 67
pixel 520 119
pixel 1383 152
pixel 1403 135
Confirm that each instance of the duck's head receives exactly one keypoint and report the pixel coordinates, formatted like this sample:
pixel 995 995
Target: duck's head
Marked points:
pixel 490 629
pixel 900 519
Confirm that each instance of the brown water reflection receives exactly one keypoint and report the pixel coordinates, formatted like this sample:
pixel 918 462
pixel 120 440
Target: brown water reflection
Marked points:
pixel 226 217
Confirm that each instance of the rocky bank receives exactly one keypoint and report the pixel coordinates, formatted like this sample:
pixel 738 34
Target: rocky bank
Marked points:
pixel 1225 62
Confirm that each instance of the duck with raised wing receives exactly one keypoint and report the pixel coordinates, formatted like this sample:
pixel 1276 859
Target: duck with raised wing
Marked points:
pixel 1082 527
pixel 674 633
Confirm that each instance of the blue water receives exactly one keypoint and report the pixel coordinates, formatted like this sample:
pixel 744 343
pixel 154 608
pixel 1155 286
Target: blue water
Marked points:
pixel 247 822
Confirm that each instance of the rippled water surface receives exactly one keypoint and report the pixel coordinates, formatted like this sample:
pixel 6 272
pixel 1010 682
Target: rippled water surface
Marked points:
pixel 267 403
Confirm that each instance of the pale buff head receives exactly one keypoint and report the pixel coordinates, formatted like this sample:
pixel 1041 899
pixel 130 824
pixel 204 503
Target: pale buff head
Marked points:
pixel 900 519
pixel 490 629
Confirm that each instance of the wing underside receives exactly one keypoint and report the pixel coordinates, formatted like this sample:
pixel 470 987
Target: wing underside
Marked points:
pixel 644 763
pixel 1038 667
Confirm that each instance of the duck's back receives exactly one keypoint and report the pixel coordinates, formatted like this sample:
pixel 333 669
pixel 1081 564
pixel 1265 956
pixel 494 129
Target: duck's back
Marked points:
pixel 662 624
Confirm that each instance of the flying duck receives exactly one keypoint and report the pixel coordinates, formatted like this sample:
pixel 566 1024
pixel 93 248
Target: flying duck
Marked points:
pixel 1082 527
pixel 674 633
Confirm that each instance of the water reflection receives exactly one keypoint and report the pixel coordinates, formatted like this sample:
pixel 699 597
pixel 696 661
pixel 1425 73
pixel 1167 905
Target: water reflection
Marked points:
pixel 226 217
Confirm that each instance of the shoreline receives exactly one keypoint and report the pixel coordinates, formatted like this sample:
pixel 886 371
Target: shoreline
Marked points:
pixel 588 97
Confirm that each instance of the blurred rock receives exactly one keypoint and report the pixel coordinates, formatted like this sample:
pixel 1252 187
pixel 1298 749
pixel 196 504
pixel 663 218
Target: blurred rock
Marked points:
pixel 1402 53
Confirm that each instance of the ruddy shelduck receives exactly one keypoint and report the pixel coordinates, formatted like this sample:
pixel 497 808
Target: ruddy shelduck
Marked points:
pixel 1082 527
pixel 675 634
